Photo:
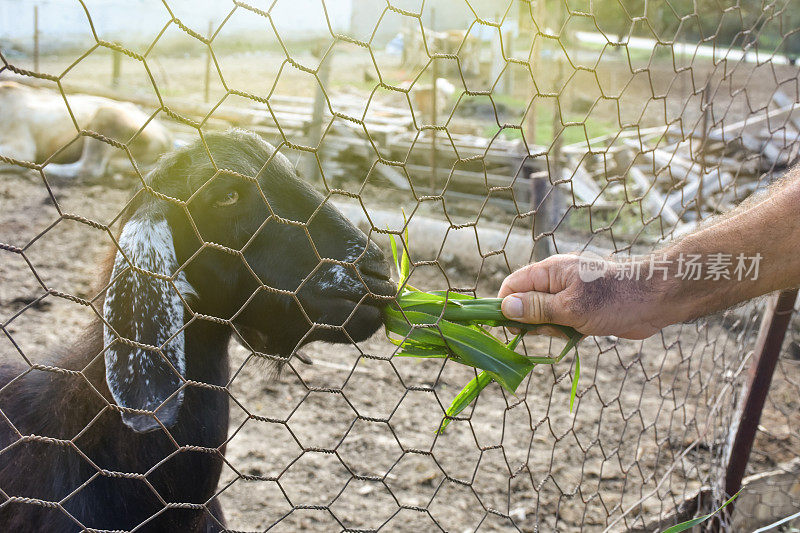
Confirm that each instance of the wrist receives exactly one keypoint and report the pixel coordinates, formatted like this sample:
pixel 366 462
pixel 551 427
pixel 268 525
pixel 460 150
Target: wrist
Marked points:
pixel 653 288
pixel 686 294
pixel 678 301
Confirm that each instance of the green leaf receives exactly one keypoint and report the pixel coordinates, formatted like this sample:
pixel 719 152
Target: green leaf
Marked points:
pixel 425 351
pixel 464 308
pixel 487 353
pixel 515 341
pixel 575 380
pixel 393 244
pixel 405 262
pixel 471 391
pixel 467 395
pixel 405 266
pixel 571 343
pixel 683 526
pixel 472 348
pixel 450 295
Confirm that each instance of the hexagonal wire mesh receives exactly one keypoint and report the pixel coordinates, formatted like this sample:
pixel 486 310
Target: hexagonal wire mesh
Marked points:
pixel 506 131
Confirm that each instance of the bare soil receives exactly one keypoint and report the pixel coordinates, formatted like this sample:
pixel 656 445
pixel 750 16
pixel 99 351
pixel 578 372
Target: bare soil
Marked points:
pixel 354 445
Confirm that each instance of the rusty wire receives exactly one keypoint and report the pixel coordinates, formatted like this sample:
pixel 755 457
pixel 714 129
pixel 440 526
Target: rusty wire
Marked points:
pixel 652 417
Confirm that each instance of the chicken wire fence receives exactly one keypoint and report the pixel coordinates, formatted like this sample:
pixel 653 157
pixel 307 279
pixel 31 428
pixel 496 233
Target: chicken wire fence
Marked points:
pixel 506 132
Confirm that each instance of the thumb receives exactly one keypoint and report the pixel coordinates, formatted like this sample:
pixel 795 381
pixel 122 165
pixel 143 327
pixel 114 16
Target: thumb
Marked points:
pixel 532 308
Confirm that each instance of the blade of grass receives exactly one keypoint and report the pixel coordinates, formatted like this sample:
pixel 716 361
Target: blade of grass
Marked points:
pixel 484 311
pixel 393 244
pixel 423 351
pixel 575 377
pixel 471 391
pixel 467 395
pixel 469 346
pixel 450 295
pixel 405 262
pixel 683 526
pixel 481 351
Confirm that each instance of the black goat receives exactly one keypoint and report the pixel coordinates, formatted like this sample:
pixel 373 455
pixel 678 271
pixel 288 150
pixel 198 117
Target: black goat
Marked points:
pixel 128 429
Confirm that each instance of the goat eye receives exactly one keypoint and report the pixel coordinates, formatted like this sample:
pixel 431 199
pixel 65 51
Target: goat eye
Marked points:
pixel 230 198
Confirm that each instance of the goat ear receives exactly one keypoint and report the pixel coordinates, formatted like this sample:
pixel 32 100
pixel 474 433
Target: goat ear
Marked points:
pixel 145 360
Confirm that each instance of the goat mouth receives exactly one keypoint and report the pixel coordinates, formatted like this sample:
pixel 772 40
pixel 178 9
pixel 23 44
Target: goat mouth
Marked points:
pixel 352 300
pixel 380 293
pixel 366 299
pixel 375 289
pixel 342 303
pixel 378 275
pixel 379 283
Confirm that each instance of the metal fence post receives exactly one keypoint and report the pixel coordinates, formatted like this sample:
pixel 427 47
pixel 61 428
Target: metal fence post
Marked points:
pixel 705 107
pixel 768 347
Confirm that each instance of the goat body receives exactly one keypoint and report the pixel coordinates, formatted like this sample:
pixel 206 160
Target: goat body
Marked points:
pixel 94 447
pixel 128 430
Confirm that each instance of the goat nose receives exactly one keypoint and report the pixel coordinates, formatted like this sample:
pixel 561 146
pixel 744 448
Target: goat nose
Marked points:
pixel 375 271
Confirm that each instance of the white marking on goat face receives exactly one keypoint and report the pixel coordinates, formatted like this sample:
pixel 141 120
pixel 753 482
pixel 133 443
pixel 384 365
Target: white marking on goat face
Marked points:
pixel 336 276
pixel 339 276
pixel 145 309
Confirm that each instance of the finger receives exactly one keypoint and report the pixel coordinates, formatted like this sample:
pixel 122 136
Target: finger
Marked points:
pixel 549 331
pixel 550 275
pixel 535 308
pixel 534 277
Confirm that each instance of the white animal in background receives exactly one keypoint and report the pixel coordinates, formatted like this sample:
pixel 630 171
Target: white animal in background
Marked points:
pixel 36 126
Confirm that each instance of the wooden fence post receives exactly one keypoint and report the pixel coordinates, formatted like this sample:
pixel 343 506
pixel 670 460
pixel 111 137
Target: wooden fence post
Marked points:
pixel 36 38
pixel 207 83
pixel 318 112
pixel 434 111
pixel 116 67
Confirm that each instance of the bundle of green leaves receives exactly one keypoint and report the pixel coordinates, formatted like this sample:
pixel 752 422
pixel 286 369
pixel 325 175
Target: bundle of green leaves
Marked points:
pixel 442 324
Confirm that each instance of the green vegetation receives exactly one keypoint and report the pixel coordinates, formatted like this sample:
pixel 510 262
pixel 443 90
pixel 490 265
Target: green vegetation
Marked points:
pixel 445 324
pixel 685 526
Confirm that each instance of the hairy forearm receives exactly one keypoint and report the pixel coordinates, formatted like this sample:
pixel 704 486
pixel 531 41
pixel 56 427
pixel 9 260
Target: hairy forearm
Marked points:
pixel 750 252
pixel 766 231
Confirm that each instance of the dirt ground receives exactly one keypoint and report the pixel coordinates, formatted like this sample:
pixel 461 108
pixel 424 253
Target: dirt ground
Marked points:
pixel 352 444
pixel 648 428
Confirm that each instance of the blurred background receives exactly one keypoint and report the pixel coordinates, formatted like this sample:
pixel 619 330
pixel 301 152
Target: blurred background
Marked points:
pixel 506 131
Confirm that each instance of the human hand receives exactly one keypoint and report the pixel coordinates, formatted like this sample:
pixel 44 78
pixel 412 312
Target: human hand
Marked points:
pixel 552 291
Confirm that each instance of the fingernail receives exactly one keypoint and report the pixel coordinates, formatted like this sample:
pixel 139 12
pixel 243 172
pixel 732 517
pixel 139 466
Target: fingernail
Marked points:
pixel 512 307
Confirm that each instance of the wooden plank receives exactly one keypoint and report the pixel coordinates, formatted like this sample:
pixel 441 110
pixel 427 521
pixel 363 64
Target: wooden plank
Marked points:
pixel 661 158
pixel 655 201
pixel 784 101
pixel 732 131
pixel 472 177
pixel 767 149
pixel 713 182
pixel 583 185
pixel 395 177
pixel 503 158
